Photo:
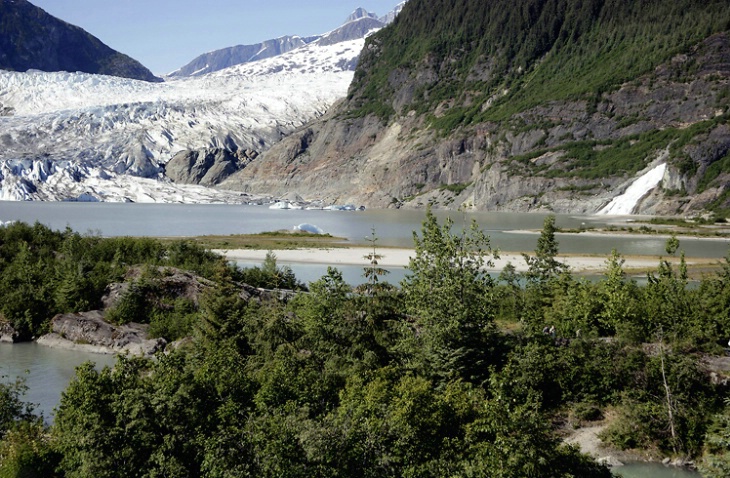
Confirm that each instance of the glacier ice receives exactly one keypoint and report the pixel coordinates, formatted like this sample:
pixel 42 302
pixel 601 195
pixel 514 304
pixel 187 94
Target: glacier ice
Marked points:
pixel 75 135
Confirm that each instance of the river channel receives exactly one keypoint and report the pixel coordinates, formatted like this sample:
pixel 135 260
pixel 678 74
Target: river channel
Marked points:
pixel 48 371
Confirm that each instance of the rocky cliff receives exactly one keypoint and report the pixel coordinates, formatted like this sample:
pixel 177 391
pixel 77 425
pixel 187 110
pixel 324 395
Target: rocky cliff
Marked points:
pixel 523 106
pixel 30 38
pixel 89 331
pixel 207 167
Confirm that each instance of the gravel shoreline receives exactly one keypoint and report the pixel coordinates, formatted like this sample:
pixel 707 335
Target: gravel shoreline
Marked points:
pixel 396 257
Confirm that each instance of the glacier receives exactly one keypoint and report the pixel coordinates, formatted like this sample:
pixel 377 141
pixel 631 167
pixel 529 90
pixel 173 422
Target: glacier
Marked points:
pixel 77 136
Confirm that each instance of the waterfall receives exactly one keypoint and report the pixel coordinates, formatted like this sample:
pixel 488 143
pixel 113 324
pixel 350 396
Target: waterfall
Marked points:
pixel 626 202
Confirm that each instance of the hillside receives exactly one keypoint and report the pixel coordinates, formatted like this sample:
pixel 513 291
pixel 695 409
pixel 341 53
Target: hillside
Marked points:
pixel 30 38
pixel 524 105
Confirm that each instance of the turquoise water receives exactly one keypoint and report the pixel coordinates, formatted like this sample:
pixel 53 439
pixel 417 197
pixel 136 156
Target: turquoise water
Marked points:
pixel 653 470
pixel 46 371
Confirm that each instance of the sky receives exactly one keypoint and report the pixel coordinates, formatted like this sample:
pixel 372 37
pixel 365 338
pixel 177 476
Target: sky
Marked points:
pixel 166 34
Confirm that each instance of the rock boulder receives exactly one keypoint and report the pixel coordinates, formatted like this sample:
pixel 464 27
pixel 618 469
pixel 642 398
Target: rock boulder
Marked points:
pixel 7 333
pixel 89 330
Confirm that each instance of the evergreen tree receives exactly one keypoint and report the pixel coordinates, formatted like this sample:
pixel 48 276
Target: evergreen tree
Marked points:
pixel 448 297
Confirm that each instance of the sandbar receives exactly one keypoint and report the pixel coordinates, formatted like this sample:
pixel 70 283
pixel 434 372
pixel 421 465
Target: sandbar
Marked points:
pixel 396 257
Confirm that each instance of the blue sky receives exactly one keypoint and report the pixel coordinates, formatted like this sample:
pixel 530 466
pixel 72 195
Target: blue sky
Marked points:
pixel 166 34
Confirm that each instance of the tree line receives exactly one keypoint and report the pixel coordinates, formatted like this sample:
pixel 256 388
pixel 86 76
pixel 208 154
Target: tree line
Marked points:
pixel 453 373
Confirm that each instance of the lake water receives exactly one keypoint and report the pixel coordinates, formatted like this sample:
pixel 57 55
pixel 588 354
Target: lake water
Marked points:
pixel 46 371
pixel 50 370
pixel 653 470
pixel 393 227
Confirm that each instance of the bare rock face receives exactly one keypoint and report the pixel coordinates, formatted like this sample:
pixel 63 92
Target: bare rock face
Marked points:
pixel 89 330
pixel 206 167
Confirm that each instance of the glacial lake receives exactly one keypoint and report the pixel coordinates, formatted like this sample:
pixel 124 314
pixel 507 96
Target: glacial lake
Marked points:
pixel 393 227
pixel 48 371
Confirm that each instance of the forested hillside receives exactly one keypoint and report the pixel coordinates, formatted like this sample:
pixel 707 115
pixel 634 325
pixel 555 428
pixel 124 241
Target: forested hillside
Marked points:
pixel 527 105
pixel 539 50
pixel 452 373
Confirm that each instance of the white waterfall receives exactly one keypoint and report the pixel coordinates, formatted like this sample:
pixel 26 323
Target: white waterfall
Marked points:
pixel 626 202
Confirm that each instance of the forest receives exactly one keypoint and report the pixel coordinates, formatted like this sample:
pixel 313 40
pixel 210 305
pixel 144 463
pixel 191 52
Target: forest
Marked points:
pixel 540 51
pixel 453 372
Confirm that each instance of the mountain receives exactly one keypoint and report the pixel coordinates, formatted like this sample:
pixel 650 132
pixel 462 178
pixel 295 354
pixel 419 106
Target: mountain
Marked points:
pixel 77 136
pixel 356 26
pixel 31 39
pixel 525 105
pixel 237 55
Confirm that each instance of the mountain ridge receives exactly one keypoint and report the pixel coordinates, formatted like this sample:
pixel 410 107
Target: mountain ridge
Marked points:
pixel 76 136
pixel 357 25
pixel 30 38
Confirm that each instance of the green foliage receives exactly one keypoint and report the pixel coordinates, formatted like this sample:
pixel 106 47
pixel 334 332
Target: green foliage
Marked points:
pixel 448 294
pixel 26 452
pixel 543 266
pixel 455 188
pixel 380 382
pixel 25 449
pixel 713 171
pixel 12 408
pixel 716 462
pixel 599 159
pixel 270 276
pixel 538 51
pixel 45 272
pixel 643 419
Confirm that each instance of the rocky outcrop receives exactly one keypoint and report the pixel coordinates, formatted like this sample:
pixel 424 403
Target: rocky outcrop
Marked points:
pixel 7 333
pixel 30 38
pixel 165 282
pixel 207 167
pixel 88 331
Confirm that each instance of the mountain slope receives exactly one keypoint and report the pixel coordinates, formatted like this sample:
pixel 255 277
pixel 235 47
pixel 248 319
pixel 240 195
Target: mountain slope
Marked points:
pixel 356 26
pixel 237 55
pixel 32 39
pixel 525 105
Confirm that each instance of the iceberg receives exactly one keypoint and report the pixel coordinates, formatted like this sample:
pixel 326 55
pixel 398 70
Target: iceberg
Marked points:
pixel 310 228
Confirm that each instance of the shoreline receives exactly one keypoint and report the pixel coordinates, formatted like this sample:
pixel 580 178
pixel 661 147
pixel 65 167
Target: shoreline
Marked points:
pixel 399 257
pixel 664 234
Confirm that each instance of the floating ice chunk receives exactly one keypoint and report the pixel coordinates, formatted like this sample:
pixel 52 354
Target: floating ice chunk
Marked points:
pixel 311 228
